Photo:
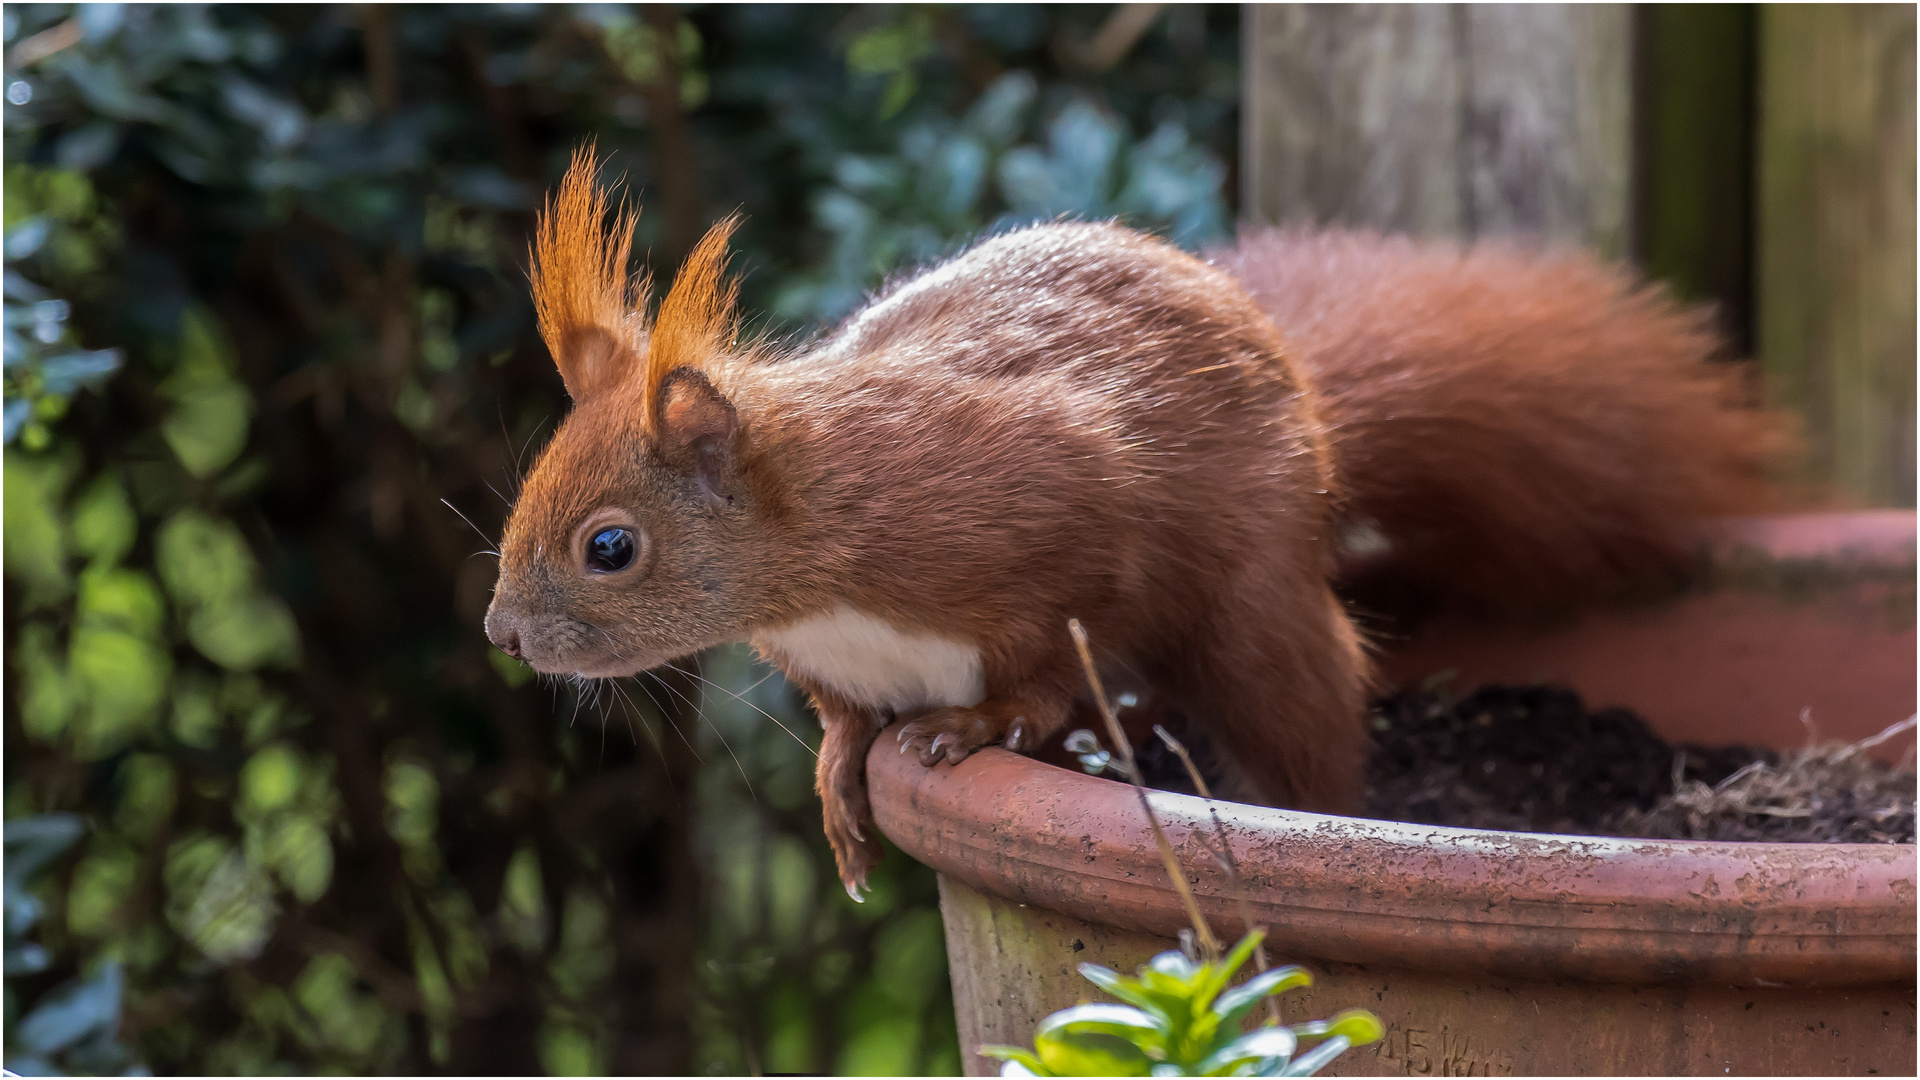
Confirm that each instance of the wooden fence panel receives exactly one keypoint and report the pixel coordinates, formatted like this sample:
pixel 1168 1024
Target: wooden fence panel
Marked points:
pixel 1464 120
pixel 1836 237
pixel 1482 120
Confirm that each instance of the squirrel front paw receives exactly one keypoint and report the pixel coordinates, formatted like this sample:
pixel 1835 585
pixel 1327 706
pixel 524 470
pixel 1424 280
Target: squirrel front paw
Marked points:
pixel 953 734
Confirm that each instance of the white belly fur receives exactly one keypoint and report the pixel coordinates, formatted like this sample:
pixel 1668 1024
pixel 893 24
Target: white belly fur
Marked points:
pixel 871 662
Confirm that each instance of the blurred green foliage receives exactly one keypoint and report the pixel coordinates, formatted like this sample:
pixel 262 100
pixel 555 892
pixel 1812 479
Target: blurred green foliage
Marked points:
pixel 75 1027
pixel 268 349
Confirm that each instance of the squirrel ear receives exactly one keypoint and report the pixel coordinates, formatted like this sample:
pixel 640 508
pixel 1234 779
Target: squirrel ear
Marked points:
pixel 592 361
pixel 696 427
pixel 587 303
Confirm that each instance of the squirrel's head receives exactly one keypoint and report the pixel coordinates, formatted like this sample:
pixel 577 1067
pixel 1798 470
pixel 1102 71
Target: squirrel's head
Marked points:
pixel 619 555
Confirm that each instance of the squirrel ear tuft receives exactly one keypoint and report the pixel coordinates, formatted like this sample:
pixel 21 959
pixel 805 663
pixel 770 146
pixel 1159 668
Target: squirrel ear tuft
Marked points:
pixel 587 302
pixel 695 430
pixel 696 320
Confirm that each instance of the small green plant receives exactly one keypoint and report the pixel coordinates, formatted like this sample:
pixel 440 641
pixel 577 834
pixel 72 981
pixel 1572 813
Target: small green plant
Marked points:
pixel 1182 1019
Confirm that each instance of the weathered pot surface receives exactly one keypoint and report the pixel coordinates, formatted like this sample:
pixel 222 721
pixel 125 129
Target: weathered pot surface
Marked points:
pixel 1363 891
pixel 1484 952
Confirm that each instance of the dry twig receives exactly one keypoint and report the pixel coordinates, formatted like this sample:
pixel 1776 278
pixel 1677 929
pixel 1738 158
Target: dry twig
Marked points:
pixel 1209 945
pixel 1808 783
pixel 1226 859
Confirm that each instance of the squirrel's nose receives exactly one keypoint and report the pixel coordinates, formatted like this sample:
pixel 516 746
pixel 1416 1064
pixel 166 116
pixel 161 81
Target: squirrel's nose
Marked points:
pixel 505 637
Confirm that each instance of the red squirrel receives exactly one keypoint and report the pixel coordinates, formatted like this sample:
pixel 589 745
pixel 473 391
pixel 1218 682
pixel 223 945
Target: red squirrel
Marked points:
pixel 1083 421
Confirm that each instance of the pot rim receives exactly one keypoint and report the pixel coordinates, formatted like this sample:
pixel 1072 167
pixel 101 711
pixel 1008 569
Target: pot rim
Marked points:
pixel 1362 891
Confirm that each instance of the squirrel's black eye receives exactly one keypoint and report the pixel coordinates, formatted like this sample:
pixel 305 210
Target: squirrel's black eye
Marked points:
pixel 610 550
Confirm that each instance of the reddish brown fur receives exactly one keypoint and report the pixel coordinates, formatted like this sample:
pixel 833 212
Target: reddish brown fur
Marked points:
pixel 1519 423
pixel 1081 421
pixel 588 306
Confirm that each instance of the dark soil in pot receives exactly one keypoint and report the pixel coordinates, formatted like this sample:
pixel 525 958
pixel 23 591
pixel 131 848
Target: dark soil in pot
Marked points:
pixel 1536 759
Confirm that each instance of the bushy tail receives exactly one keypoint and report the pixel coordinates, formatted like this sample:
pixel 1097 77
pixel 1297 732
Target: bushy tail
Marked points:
pixel 1516 425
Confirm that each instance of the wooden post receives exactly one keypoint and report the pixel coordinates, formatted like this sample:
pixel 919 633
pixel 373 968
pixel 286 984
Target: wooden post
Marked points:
pixel 1462 120
pixel 1694 100
pixel 1836 237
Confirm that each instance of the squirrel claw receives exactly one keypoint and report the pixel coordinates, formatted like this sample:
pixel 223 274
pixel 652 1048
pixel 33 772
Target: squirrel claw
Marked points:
pixel 930 752
pixel 951 735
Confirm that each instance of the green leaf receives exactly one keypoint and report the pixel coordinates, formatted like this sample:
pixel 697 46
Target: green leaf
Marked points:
pixel 270 779
pixel 202 560
pixel 209 569
pixel 1000 113
pixel 1099 1040
pixel 1266 1045
pixel 1172 964
pixel 147 793
pixel 196 719
pixel 48 696
pixel 246 632
pixel 413 797
pixel 1014 1055
pixel 893 51
pixel 1180 984
pixel 301 856
pixel 1358 1026
pixel 346 1017
pixel 71 1013
pixel 1233 1004
pixel 121 599
pixel 123 678
pixel 567 1051
pixel 208 426
pixel 1122 1020
pixel 1092 1048
pixel 35 541
pixel 101 884
pixel 104 525
pixel 33 843
pixel 1122 987
pixel 1313 1060
pixel 233 913
pixel 1218 974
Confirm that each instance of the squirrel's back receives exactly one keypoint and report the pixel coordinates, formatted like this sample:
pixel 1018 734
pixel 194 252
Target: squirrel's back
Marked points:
pixel 1098 303
pixel 1045 417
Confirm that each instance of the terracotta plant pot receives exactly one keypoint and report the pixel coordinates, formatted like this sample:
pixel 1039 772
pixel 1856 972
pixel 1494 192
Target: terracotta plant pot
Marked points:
pixel 1491 952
